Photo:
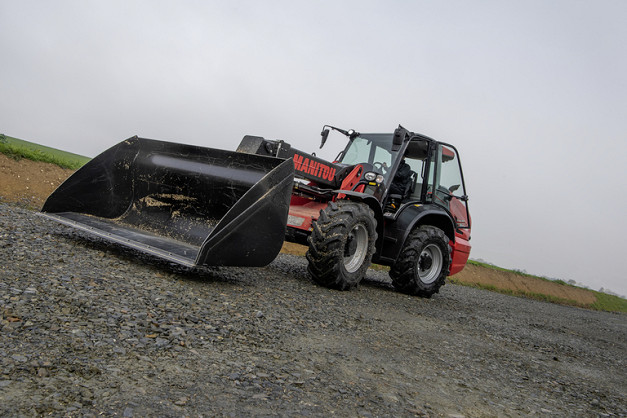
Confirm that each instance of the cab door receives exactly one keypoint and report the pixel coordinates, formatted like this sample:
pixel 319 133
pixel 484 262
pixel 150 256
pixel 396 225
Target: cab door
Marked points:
pixel 447 187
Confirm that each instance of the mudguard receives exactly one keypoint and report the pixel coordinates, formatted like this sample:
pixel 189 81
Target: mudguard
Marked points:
pixel 403 221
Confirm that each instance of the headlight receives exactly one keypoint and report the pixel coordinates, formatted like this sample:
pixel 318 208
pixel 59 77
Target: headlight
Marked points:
pixel 371 176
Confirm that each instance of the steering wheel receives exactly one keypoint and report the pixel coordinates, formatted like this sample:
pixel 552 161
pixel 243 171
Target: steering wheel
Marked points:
pixel 380 166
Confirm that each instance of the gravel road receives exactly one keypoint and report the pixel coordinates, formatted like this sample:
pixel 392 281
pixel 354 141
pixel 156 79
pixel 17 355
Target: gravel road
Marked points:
pixel 88 330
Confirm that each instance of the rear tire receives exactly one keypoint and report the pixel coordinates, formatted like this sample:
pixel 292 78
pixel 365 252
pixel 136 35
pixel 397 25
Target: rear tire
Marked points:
pixel 424 263
pixel 341 244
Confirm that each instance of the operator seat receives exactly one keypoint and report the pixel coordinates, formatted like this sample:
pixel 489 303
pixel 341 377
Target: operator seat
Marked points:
pixel 406 192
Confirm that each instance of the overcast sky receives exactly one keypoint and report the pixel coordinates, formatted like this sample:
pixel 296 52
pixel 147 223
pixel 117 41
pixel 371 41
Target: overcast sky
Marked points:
pixel 532 93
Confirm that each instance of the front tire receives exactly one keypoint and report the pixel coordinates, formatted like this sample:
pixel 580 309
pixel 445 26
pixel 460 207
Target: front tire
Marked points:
pixel 424 263
pixel 341 244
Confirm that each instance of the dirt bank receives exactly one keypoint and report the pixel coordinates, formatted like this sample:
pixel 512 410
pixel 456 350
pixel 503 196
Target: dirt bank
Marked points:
pixel 523 284
pixel 29 182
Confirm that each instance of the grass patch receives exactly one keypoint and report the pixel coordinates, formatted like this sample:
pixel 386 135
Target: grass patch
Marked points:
pixel 379 267
pixel 493 267
pixel 19 149
pixel 609 303
pixel 519 272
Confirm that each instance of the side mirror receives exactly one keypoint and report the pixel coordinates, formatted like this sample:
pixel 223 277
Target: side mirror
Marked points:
pixel 325 135
pixel 398 138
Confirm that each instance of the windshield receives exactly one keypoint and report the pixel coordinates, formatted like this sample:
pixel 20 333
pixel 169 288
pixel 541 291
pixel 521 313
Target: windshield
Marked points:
pixel 375 149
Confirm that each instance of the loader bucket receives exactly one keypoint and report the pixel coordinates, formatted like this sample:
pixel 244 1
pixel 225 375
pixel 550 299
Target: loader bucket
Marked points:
pixel 190 205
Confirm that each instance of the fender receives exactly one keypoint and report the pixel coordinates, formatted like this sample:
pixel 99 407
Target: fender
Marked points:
pixel 373 203
pixel 404 221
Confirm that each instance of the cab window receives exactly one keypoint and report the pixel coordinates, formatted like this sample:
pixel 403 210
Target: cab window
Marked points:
pixel 448 186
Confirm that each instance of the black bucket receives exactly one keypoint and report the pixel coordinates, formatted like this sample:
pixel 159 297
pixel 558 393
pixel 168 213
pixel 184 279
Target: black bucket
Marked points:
pixel 190 205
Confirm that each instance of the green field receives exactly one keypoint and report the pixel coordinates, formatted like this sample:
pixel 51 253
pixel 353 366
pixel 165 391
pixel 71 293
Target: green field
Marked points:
pixel 17 149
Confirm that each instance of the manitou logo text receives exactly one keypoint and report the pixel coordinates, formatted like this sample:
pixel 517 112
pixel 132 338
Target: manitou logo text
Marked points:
pixel 313 168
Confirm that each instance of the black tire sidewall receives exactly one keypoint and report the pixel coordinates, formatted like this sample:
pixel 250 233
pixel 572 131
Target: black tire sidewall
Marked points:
pixel 326 254
pixel 404 272
pixel 358 274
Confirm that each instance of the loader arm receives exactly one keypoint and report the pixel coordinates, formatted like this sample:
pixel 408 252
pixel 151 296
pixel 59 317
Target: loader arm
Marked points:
pixel 307 166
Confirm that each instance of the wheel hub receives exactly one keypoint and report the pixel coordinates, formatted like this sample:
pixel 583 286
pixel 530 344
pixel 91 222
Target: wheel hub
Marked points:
pixel 356 248
pixel 425 262
pixel 351 245
pixel 430 263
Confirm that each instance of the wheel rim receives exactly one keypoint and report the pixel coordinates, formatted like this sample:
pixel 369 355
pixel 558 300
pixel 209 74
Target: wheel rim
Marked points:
pixel 356 248
pixel 430 263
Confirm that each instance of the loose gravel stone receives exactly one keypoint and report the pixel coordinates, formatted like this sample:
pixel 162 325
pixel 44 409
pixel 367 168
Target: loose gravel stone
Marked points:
pixel 91 329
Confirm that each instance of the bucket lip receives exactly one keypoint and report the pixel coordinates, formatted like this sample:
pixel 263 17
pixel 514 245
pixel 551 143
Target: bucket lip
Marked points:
pixel 65 218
